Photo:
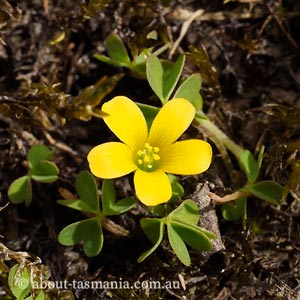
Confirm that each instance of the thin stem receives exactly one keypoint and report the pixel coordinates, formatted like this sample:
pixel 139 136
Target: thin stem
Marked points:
pixel 216 133
pixel 221 200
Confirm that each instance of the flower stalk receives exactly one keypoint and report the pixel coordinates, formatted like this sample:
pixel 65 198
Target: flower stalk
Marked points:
pixel 217 134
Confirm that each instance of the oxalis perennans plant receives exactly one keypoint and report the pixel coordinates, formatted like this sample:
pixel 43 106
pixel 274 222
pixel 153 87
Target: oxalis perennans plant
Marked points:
pixel 166 81
pixel 150 149
pixel 41 169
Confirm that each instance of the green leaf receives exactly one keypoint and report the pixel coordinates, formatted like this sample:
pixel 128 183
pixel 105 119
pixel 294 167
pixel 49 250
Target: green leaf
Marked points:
pixel 151 227
pixel 187 212
pixel 19 286
pixel 121 206
pixel 38 153
pixel 108 60
pixel 154 229
pixel 177 188
pixel 76 204
pixel 193 236
pixel 162 210
pixel 44 171
pixel 117 50
pixel 178 245
pixel 269 191
pixel 108 195
pixel 155 72
pixel 86 188
pixel 149 112
pixel 234 210
pixel 109 206
pixel 89 231
pixel 208 234
pixel 189 90
pixel 249 165
pixel 20 190
pixel 171 76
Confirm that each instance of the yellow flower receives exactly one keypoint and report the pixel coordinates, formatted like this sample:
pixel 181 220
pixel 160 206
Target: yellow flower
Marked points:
pixel 150 155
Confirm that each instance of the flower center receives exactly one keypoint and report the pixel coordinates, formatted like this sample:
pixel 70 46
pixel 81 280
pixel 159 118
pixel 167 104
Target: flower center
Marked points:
pixel 148 158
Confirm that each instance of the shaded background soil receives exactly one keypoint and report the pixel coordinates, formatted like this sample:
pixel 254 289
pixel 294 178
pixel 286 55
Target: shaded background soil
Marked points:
pixel 254 48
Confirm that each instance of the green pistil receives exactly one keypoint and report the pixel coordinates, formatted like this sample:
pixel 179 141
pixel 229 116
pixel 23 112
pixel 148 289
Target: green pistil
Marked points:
pixel 148 158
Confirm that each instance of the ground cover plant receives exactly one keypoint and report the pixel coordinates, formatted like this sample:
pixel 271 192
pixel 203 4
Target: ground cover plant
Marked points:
pixel 149 149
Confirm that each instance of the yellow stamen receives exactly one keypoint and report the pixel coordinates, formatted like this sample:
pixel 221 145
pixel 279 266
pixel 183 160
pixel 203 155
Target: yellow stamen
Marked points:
pixel 148 147
pixel 148 159
pixel 156 157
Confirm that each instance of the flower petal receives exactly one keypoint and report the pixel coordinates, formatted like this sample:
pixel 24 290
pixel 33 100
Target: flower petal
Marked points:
pixel 127 122
pixel 111 160
pixel 186 157
pixel 171 121
pixel 152 188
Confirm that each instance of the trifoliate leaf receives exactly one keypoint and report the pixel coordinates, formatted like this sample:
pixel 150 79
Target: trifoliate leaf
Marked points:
pixel 44 171
pixel 89 231
pixel 38 153
pixel 163 77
